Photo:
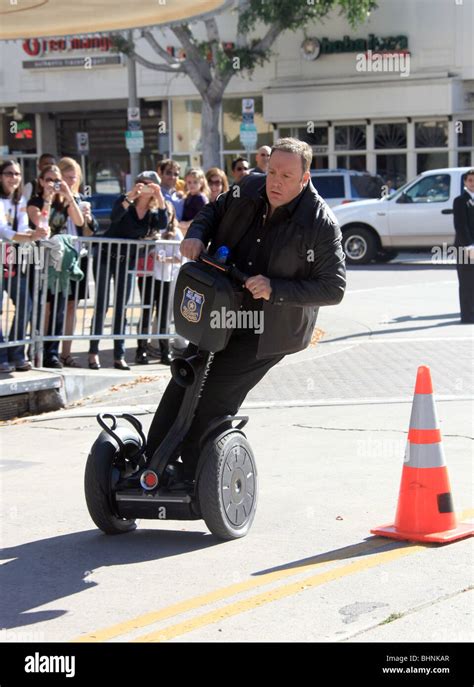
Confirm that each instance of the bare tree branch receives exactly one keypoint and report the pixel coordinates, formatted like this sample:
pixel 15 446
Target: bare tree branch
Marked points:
pixel 195 65
pixel 157 67
pixel 241 40
pixel 213 38
pixel 267 41
pixel 183 34
pixel 151 40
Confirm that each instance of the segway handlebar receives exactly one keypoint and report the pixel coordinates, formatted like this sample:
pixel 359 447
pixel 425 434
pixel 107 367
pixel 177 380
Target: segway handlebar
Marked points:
pixel 230 270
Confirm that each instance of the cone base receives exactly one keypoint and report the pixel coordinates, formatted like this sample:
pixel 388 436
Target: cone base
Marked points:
pixel 463 529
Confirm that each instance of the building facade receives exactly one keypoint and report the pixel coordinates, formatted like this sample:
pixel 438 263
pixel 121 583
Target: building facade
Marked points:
pixel 393 96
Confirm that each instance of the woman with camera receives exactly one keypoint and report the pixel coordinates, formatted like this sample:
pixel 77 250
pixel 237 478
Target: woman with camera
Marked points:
pixel 51 207
pixel 139 214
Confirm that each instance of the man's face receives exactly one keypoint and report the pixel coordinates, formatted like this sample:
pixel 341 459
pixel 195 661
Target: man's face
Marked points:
pixel 241 170
pixel 169 177
pixel 46 162
pixel 262 157
pixel 285 178
pixel 469 183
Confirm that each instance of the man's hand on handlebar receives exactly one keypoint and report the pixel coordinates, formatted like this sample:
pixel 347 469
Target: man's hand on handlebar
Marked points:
pixel 259 286
pixel 191 248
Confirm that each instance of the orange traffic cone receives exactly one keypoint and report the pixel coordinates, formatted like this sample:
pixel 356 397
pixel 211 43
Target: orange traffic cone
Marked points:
pixel 425 507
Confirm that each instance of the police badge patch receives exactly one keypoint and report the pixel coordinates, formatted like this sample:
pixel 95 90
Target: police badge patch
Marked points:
pixel 191 305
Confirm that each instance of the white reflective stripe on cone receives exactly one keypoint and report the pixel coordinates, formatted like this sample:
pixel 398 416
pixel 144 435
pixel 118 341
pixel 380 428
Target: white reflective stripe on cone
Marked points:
pixel 423 412
pixel 424 455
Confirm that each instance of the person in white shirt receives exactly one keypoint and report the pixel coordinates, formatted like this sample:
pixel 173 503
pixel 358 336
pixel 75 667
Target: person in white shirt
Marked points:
pixel 14 228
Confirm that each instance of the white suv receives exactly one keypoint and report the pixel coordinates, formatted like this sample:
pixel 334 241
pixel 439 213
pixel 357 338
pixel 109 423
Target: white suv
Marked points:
pixel 338 186
pixel 417 216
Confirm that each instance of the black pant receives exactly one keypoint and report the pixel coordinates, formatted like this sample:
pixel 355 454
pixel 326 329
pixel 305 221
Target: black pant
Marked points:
pixel 233 373
pixel 466 291
pixel 123 284
pixel 151 304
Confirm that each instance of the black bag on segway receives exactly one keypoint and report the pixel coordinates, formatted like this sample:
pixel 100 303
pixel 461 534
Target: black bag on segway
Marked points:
pixel 202 298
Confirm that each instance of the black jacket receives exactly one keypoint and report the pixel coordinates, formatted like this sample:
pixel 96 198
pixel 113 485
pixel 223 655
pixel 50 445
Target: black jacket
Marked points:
pixel 463 211
pixel 305 272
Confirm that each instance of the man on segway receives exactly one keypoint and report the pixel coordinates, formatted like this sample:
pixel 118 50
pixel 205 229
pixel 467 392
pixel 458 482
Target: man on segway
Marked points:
pixel 281 233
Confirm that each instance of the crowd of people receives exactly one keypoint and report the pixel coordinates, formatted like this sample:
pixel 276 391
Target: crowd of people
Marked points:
pixel 51 208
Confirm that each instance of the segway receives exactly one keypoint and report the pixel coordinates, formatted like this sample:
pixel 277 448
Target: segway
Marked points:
pixel 122 484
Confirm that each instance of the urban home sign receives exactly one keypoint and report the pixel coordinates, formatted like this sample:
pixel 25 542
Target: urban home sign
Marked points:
pixel 312 48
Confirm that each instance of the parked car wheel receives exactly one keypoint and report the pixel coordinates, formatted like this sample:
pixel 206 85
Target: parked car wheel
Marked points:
pixel 359 245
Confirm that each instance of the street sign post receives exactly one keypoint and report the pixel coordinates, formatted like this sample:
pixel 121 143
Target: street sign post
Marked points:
pixel 82 145
pixel 134 141
pixel 248 130
pixel 134 119
pixel 82 142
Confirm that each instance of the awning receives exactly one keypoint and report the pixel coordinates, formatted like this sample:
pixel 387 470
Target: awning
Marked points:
pixel 40 18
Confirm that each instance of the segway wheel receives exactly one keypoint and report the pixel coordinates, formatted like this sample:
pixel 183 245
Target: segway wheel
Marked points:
pixel 100 475
pixel 227 486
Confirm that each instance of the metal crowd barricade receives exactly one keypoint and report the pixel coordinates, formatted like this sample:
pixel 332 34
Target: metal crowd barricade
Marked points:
pixel 119 298
pixel 19 277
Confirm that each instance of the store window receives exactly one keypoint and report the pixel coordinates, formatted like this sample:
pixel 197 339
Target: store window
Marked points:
pixel 390 136
pixel 427 161
pixel 351 137
pixel 318 139
pixel 465 133
pixel 356 162
pixel 431 134
pixel 186 128
pixel 465 141
pixel 392 167
pixel 320 162
pixel 464 158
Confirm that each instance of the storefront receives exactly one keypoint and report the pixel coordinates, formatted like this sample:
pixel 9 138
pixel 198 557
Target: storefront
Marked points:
pixel 394 96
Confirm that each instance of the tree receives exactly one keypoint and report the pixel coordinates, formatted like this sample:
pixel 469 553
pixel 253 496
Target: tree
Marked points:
pixel 211 66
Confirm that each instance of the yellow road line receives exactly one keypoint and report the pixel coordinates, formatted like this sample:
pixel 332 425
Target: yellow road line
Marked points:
pixel 275 594
pixel 226 592
pixel 232 590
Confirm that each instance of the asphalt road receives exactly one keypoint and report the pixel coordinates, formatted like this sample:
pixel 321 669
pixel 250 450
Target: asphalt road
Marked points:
pixel 328 427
